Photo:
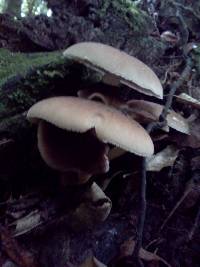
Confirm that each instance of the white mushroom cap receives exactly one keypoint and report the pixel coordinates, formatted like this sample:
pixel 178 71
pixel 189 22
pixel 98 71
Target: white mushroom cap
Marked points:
pixel 80 115
pixel 122 67
pixel 146 111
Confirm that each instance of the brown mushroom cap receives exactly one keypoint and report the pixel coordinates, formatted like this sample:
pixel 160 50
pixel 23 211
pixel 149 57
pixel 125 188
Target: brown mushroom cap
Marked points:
pixel 122 67
pixel 80 115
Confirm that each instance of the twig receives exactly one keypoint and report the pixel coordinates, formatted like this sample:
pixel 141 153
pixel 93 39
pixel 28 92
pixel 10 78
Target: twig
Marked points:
pixel 195 226
pixel 151 127
pixel 175 208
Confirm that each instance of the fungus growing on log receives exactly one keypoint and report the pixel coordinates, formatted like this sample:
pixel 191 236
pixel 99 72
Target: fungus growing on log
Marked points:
pixel 73 133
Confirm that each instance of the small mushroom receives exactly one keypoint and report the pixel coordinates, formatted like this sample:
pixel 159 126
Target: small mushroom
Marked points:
pixel 169 37
pixel 70 125
pixel 110 98
pixel 146 111
pixel 140 110
pixel 117 67
pixel 94 208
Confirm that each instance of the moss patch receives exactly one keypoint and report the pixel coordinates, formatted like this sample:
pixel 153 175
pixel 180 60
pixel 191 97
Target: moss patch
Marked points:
pixel 12 64
pixel 136 19
pixel 26 78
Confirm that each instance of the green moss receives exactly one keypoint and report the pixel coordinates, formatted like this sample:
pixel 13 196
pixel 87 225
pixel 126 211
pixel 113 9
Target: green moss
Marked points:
pixel 2 107
pixel 14 124
pixel 127 9
pixel 135 18
pixel 21 98
pixel 12 64
pixel 27 78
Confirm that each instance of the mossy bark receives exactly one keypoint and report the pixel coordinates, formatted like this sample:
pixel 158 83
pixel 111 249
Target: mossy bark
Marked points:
pixel 27 78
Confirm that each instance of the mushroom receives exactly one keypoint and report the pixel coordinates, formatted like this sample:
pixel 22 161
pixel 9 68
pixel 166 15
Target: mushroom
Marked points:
pixel 109 97
pixel 188 100
pixel 70 125
pixel 146 111
pixel 76 155
pixel 116 66
pixel 140 110
pixel 95 207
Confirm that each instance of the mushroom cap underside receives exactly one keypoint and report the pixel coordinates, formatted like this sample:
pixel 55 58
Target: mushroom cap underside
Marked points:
pixel 127 69
pixel 80 115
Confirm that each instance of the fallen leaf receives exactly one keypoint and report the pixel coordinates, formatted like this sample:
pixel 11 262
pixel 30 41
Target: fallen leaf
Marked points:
pixel 4 142
pixel 127 249
pixel 27 223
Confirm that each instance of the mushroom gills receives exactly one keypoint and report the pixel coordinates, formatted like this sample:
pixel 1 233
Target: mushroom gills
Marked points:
pixel 116 66
pixel 68 151
pixel 80 115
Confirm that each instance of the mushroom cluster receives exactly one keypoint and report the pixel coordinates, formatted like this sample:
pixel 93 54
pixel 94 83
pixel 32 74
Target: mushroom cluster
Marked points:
pixel 75 133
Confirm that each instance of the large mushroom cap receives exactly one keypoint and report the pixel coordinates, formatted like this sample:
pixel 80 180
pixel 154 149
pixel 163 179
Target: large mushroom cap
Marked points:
pixel 127 69
pixel 80 115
